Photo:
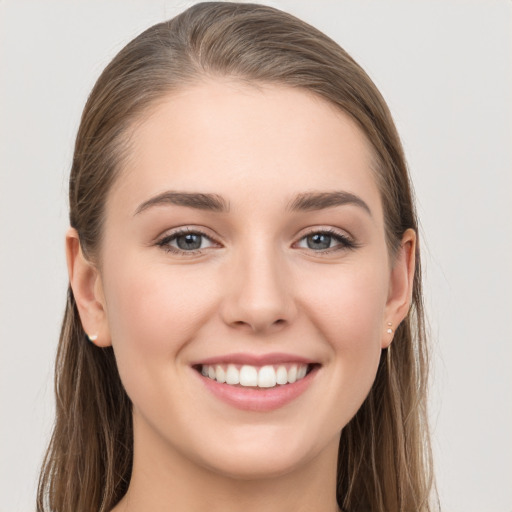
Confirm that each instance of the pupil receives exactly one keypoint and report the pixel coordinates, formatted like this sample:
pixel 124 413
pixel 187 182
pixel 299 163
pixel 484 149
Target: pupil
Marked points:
pixel 189 242
pixel 319 241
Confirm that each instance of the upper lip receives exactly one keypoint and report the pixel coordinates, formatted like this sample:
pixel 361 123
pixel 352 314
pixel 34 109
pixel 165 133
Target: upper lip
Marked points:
pixel 255 359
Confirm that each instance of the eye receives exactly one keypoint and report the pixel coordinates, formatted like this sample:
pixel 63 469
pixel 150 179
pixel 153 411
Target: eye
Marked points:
pixel 325 240
pixel 186 241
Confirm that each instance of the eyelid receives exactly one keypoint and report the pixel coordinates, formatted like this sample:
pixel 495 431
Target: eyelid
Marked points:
pixel 163 240
pixel 346 241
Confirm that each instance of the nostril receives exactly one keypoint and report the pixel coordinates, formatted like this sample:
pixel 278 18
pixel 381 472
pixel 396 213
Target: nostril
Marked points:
pixel 241 323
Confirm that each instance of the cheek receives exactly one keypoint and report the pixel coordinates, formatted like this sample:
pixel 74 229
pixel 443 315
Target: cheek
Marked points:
pixel 348 306
pixel 348 309
pixel 154 311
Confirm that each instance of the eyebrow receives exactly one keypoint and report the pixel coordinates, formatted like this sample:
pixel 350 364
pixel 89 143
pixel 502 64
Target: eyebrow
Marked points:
pixel 308 201
pixel 211 202
pixel 311 201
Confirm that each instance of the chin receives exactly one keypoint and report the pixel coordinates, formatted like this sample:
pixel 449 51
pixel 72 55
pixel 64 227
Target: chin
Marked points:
pixel 256 467
pixel 259 453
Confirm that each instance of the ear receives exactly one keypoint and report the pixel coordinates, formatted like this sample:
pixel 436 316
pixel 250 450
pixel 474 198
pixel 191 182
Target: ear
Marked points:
pixel 85 281
pixel 400 286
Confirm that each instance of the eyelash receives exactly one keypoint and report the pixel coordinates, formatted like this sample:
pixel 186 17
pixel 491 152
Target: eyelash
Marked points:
pixel 164 243
pixel 343 242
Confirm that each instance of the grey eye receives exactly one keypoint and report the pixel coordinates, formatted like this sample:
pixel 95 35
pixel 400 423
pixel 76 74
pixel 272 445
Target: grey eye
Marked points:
pixel 186 241
pixel 324 240
pixel 318 241
pixel 189 241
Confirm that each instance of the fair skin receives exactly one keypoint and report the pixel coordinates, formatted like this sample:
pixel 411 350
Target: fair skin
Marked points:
pixel 265 277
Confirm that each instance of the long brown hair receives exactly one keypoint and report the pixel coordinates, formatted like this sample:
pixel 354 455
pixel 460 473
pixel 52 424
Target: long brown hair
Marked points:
pixel 384 454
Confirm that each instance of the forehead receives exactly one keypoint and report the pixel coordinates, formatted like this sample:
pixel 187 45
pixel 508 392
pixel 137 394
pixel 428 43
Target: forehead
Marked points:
pixel 247 143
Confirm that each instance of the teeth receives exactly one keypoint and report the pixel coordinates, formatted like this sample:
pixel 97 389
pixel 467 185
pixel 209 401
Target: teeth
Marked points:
pixel 248 376
pixel 220 374
pixel 252 376
pixel 232 375
pixel 301 372
pixel 282 375
pixel 267 377
pixel 292 374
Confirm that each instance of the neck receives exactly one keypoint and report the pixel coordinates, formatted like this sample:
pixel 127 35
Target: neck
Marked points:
pixel 164 480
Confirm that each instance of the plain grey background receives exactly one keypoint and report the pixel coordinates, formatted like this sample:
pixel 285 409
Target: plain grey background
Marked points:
pixel 445 69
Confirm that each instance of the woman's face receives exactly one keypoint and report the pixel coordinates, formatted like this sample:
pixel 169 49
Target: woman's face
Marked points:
pixel 245 240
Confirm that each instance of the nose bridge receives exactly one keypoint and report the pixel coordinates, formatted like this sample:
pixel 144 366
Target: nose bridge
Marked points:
pixel 259 297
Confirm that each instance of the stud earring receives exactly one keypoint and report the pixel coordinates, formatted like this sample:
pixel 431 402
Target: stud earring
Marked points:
pixel 92 337
pixel 389 331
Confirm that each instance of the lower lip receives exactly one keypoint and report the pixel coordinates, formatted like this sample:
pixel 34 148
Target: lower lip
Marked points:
pixel 258 399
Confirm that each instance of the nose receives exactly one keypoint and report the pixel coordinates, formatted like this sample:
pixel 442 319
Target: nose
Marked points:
pixel 258 296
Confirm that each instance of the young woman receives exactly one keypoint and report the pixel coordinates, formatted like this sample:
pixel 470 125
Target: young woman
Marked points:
pixel 244 326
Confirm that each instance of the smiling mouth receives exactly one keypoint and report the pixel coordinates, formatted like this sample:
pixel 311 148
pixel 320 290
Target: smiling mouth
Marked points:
pixel 267 376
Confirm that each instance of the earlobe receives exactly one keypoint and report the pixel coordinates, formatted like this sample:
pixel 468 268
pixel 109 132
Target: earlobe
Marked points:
pixel 85 281
pixel 400 286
